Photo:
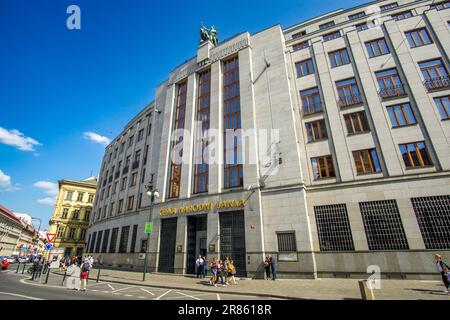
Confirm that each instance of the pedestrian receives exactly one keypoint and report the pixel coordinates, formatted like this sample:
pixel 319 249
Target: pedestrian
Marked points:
pixel 219 272
pixel 444 269
pixel 231 271
pixel 85 267
pixel 205 264
pixel 267 267
pixel 273 267
pixel 200 265
pixel 213 267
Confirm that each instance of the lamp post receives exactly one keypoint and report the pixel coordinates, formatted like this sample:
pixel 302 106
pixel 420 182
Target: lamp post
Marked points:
pixel 151 194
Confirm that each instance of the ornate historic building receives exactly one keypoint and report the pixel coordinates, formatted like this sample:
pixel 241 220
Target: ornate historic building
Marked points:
pixel 10 231
pixel 70 218
pixel 345 151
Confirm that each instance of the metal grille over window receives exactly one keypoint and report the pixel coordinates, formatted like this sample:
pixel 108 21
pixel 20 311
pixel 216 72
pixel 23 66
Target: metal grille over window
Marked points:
pixel 333 228
pixel 286 241
pixel 433 215
pixel 384 229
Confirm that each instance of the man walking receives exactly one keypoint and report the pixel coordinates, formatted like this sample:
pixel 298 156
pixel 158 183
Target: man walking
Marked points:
pixel 200 263
pixel 273 267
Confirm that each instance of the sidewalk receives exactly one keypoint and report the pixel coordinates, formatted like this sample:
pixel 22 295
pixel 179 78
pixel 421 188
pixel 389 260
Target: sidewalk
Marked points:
pixel 323 289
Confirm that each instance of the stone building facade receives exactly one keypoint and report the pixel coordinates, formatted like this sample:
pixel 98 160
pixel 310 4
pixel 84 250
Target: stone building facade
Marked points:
pixel 352 171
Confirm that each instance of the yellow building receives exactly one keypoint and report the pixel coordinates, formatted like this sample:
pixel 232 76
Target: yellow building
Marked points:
pixel 70 218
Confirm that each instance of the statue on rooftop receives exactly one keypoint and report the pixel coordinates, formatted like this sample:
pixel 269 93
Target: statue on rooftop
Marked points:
pixel 208 34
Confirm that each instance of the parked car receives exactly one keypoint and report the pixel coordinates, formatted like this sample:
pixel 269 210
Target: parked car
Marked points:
pixel 4 263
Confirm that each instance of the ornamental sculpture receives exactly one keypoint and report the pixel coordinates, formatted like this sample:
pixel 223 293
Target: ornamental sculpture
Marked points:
pixel 208 34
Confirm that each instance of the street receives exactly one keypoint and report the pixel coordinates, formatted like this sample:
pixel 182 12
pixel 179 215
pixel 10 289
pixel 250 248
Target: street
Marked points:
pixel 19 287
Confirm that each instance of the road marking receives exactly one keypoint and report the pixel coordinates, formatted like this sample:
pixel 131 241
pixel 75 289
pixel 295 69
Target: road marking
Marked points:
pixel 116 293
pixel 186 295
pixel 218 297
pixel 21 296
pixel 141 297
pixel 163 295
pixel 112 288
pixel 147 291
pixel 95 290
pixel 97 284
pixel 122 289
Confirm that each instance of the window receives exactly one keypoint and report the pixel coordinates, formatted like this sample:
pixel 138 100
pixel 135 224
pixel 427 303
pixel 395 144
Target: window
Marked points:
pixel 92 244
pixel 133 238
pixel 362 26
pixel 122 147
pixel 72 233
pixel 443 105
pixel 316 130
pixel 143 246
pixel 441 5
pixel 139 205
pixel 105 241
pixel 124 183
pixel 389 83
pixel 311 102
pixel 415 155
pixel 80 196
pixel 402 15
pixel 113 242
pixel 304 68
pixel 108 192
pixel 120 208
pixel 82 234
pixel 105 211
pixel 140 135
pixel 377 48
pixel 127 164
pixel 149 130
pixel 76 215
pixel 326 25
pixel 175 167
pixel 114 190
pixel 64 213
pixel 356 16
pixel 333 228
pixel 111 209
pixel 366 161
pixel 389 6
pixel 146 154
pixel 348 92
pixel 418 37
pixel 143 175
pixel 69 195
pixel 286 241
pixel 133 179
pixel 91 198
pixel 323 167
pixel 338 58
pixel 433 216
pixel 332 35
pixel 435 74
pixel 61 231
pixel 201 167
pixel 130 203
pixel 130 141
pixel 137 157
pixel 233 171
pixel 383 226
pixel 401 115
pixel 115 152
pixel 356 123
pixel 87 214
pixel 300 46
pixel 124 239
pixel 298 34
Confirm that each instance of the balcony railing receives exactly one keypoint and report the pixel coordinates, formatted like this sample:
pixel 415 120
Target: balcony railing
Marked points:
pixel 350 100
pixel 135 165
pixel 437 83
pixel 312 109
pixel 392 91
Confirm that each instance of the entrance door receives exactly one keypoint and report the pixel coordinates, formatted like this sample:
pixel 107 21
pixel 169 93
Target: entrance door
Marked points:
pixel 232 239
pixel 167 245
pixel 196 230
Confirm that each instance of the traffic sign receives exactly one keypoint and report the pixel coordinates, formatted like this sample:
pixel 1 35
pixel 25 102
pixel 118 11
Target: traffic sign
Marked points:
pixel 48 246
pixel 148 227
pixel 51 237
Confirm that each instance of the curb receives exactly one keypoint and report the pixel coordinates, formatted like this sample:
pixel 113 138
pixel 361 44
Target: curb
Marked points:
pixel 200 290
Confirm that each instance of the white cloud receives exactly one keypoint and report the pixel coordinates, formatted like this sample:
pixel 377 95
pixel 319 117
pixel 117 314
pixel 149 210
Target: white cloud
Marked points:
pixel 49 188
pixel 17 139
pixel 5 182
pixel 97 138
pixel 47 201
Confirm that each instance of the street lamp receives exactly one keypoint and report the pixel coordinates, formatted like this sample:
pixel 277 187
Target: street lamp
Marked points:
pixel 151 194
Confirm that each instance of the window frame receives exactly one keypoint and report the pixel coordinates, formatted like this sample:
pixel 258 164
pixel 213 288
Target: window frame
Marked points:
pixel 369 157
pixel 417 153
pixel 327 160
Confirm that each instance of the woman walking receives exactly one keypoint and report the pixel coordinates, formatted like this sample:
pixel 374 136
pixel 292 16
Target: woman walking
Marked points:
pixel 231 271
pixel 219 273
pixel 213 268
pixel 267 268
pixel 444 270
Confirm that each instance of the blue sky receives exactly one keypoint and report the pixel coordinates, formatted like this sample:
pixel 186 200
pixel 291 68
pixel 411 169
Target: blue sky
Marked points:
pixel 56 84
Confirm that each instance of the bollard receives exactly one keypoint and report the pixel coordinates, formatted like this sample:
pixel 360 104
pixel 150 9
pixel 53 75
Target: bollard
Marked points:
pixel 366 292
pixel 98 275
pixel 18 266
pixel 64 278
pixel 46 277
pixel 24 265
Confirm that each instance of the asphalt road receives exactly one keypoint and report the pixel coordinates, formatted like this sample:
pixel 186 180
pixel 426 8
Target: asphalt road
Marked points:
pixel 19 287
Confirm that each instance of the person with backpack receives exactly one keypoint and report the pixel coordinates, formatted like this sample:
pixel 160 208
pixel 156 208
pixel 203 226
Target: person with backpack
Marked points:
pixel 85 267
pixel 231 271
pixel 444 269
